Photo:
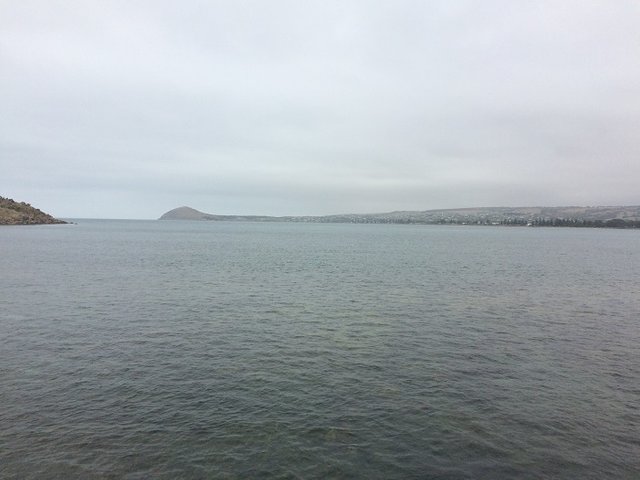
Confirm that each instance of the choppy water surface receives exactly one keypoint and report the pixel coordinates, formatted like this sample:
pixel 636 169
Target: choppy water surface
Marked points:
pixel 228 350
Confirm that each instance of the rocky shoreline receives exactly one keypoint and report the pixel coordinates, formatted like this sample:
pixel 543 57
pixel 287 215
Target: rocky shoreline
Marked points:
pixel 21 213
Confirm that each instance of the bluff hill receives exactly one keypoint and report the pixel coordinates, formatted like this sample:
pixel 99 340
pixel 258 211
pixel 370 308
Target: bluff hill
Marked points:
pixel 188 213
pixel 21 213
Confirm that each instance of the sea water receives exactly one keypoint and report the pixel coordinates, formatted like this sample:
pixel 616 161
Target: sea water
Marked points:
pixel 149 349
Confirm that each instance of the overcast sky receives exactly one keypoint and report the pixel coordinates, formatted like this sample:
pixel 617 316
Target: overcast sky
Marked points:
pixel 126 109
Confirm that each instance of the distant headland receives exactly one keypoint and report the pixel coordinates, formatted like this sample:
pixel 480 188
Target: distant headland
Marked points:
pixel 601 216
pixel 21 213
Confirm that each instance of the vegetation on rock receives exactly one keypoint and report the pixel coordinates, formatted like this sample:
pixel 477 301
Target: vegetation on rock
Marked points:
pixel 21 213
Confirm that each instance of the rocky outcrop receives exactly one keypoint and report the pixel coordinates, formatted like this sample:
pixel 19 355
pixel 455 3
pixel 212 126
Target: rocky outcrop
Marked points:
pixel 186 213
pixel 21 213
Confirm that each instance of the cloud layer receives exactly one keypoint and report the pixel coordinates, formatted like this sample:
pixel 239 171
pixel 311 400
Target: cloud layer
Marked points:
pixel 130 108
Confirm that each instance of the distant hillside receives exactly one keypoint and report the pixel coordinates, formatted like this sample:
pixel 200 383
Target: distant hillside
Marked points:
pixel 536 216
pixel 185 213
pixel 610 216
pixel 20 213
pixel 188 213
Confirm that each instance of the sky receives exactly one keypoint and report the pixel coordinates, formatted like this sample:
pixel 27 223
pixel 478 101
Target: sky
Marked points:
pixel 127 109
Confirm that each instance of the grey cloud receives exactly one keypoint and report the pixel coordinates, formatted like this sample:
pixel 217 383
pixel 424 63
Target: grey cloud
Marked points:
pixel 317 107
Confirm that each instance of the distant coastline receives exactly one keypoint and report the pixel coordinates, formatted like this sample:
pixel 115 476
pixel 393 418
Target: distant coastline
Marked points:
pixel 585 217
pixel 21 213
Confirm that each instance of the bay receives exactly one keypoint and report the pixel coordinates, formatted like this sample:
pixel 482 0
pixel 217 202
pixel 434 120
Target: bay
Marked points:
pixel 147 349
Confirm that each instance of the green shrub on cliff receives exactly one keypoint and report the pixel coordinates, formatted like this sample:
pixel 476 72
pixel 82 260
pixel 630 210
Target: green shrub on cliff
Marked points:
pixel 21 213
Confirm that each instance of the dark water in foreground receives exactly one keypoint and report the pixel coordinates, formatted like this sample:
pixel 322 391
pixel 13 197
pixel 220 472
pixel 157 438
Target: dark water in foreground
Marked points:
pixel 224 350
